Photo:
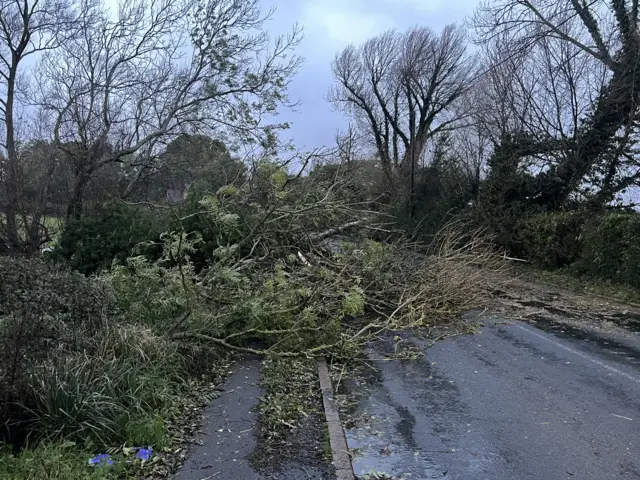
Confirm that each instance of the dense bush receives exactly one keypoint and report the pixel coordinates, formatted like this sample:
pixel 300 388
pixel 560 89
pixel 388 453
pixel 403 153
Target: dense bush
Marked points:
pixel 442 193
pixel 91 243
pixel 73 367
pixel 603 246
pixel 611 248
pixel 45 312
pixel 552 240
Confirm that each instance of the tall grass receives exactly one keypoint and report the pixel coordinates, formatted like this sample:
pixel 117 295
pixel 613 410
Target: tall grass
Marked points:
pixel 49 462
pixel 91 398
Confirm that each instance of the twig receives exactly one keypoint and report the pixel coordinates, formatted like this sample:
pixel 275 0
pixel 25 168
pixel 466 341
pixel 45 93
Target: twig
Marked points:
pixel 515 259
pixel 334 231
pixel 178 323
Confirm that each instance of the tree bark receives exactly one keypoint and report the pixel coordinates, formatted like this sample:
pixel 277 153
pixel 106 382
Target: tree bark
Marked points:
pixel 76 203
pixel 12 179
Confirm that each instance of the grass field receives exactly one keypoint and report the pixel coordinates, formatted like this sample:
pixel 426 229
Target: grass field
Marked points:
pixel 52 223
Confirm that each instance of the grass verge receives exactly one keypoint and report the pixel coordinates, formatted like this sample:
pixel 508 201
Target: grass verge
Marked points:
pixel 167 434
pixel 292 425
pixel 567 279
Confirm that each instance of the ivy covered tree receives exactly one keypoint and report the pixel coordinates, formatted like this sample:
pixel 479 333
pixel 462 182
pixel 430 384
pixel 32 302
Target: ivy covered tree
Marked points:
pixel 572 94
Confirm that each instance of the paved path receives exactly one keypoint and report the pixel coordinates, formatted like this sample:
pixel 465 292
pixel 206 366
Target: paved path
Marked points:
pixel 512 402
pixel 227 438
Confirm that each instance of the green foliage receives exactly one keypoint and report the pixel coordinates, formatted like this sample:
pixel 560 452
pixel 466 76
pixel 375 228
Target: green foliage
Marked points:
pixel 277 209
pixel 72 371
pixel 49 462
pixel 45 312
pixel 147 430
pixel 150 293
pixel 269 178
pixel 601 246
pixel 552 240
pixel 192 161
pixel 108 394
pixel 504 196
pixel 257 284
pixel 217 220
pixel 353 302
pixel 51 291
pixel 91 243
pixel 611 248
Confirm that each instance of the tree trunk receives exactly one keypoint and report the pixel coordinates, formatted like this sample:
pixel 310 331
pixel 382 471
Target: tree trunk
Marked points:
pixel 76 203
pixel 12 174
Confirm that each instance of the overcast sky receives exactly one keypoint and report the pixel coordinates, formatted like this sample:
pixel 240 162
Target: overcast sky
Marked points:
pixel 329 26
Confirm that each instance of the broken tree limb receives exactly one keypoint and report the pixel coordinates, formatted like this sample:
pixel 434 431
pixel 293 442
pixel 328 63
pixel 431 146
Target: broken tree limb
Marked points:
pixel 334 231
pixel 253 351
pixel 512 259
pixel 218 341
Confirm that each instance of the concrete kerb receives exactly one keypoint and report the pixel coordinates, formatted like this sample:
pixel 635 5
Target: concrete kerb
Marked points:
pixel 337 439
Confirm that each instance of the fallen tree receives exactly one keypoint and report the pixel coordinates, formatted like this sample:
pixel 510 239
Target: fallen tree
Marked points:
pixel 274 286
pixel 261 268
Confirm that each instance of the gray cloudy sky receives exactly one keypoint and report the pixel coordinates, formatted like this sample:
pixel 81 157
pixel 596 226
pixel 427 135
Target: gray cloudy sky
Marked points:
pixel 329 26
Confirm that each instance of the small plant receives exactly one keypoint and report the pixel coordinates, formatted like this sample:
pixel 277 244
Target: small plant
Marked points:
pixel 147 430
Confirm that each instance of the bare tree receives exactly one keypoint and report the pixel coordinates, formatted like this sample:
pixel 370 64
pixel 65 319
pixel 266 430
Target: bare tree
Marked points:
pixel 401 90
pixel 349 145
pixel 471 148
pixel 27 28
pixel 160 68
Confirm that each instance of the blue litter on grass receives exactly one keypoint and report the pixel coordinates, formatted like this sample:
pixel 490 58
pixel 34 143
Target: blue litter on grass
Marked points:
pixel 144 453
pixel 104 459
pixel 101 459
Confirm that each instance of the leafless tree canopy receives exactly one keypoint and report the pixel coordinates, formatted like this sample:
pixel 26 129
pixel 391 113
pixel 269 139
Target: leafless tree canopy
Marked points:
pixel 112 85
pixel 26 28
pixel 402 89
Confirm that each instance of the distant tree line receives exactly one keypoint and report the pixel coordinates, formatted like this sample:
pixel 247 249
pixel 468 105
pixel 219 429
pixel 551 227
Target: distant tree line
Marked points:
pixel 98 103
pixel 540 118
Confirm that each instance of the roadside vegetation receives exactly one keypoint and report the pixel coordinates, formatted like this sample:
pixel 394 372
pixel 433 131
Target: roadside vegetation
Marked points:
pixel 153 223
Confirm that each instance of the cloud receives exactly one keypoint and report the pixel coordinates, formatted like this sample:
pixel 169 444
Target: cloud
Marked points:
pixel 338 24
pixel 333 24
pixel 421 5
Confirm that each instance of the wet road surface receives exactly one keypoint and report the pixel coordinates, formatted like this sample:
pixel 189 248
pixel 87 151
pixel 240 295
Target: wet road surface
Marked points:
pixel 511 402
pixel 227 442
pixel 227 438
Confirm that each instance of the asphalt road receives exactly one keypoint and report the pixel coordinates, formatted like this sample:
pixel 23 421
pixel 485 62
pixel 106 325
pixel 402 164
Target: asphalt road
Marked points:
pixel 511 402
